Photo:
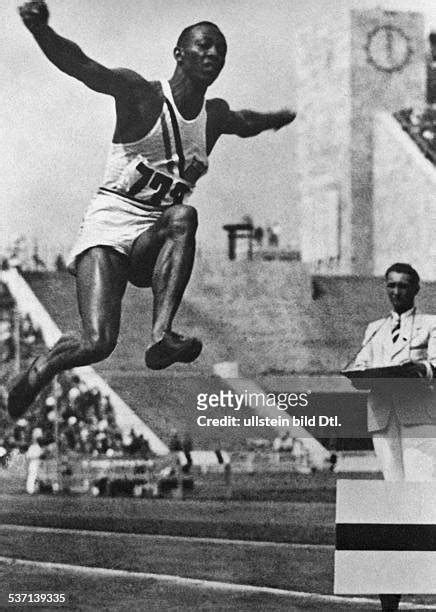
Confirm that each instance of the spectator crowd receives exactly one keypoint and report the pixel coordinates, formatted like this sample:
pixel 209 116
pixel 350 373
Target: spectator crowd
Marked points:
pixel 81 418
pixel 421 127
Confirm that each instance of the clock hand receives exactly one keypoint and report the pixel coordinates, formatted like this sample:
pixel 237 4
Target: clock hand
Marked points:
pixel 390 44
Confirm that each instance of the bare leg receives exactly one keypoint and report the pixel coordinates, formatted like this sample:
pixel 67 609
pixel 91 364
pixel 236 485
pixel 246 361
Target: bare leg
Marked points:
pixel 101 282
pixel 163 259
pixel 173 269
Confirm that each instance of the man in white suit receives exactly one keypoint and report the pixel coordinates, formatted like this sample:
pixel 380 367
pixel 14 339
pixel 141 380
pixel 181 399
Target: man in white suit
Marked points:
pixel 402 412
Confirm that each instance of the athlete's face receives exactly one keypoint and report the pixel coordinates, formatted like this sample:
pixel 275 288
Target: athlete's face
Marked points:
pixel 203 55
pixel 401 291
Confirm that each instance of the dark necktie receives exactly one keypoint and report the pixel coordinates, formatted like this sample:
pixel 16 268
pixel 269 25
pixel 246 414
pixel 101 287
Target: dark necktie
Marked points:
pixel 395 331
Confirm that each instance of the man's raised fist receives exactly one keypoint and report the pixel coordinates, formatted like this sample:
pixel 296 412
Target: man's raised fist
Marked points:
pixel 34 14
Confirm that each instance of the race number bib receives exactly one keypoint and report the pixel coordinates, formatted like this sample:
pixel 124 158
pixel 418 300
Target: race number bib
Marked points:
pixel 159 188
pixel 140 180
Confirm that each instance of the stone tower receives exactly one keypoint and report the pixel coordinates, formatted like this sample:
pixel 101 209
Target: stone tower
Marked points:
pixel 350 64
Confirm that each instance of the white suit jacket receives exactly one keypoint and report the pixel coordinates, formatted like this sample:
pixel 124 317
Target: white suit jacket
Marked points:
pixel 414 401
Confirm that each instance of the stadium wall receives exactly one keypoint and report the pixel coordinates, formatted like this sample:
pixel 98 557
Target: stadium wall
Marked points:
pixel 278 319
pixel 404 200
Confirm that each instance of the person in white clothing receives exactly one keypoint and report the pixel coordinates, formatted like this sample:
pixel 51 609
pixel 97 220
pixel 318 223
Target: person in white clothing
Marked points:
pixel 138 228
pixel 402 411
pixel 33 456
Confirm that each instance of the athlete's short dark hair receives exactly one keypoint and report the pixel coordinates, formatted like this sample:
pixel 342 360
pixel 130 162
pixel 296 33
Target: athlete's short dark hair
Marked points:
pixel 186 33
pixel 404 268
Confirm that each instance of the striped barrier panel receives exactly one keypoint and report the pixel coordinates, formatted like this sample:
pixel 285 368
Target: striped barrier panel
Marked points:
pixel 385 537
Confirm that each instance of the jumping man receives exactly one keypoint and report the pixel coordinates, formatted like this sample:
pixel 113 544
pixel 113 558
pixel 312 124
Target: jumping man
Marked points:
pixel 138 227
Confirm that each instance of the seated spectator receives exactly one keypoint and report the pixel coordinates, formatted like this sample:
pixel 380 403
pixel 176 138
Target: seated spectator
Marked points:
pixel 287 442
pixel 143 447
pixel 6 341
pixel 420 124
pixel 3 454
pixel 134 443
pixel 117 448
pixel 3 397
pixel 175 444
pixel 187 448
pixel 277 444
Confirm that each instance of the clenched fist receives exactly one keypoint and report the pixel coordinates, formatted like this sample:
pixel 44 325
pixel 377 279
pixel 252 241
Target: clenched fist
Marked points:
pixel 34 14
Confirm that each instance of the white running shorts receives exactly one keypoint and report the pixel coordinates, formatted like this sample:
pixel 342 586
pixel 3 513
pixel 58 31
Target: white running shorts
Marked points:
pixel 111 221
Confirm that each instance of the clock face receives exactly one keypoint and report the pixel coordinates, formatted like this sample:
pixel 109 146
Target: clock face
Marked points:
pixel 388 48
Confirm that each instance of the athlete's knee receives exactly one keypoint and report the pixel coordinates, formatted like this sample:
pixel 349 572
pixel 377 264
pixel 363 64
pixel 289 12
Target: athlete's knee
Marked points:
pixel 99 345
pixel 182 219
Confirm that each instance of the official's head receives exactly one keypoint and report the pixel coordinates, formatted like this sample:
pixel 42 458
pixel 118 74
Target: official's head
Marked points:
pixel 201 52
pixel 402 285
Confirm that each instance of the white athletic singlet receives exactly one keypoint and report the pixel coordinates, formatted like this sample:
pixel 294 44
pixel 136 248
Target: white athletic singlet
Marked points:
pixel 161 168
pixel 142 178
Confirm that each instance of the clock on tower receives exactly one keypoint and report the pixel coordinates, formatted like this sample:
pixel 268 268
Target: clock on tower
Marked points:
pixel 388 48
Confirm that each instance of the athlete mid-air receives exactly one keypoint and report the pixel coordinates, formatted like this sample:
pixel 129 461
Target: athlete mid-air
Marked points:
pixel 138 227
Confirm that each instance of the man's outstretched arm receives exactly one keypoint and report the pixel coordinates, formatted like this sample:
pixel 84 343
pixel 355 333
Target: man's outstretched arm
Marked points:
pixel 246 123
pixel 68 57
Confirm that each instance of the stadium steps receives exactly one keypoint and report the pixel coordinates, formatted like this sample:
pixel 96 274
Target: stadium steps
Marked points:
pixel 164 400
pixel 271 317
pixel 234 324
pixel 282 320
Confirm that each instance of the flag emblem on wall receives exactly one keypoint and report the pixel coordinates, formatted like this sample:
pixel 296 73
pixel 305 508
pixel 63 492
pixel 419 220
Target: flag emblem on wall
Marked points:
pixel 385 537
